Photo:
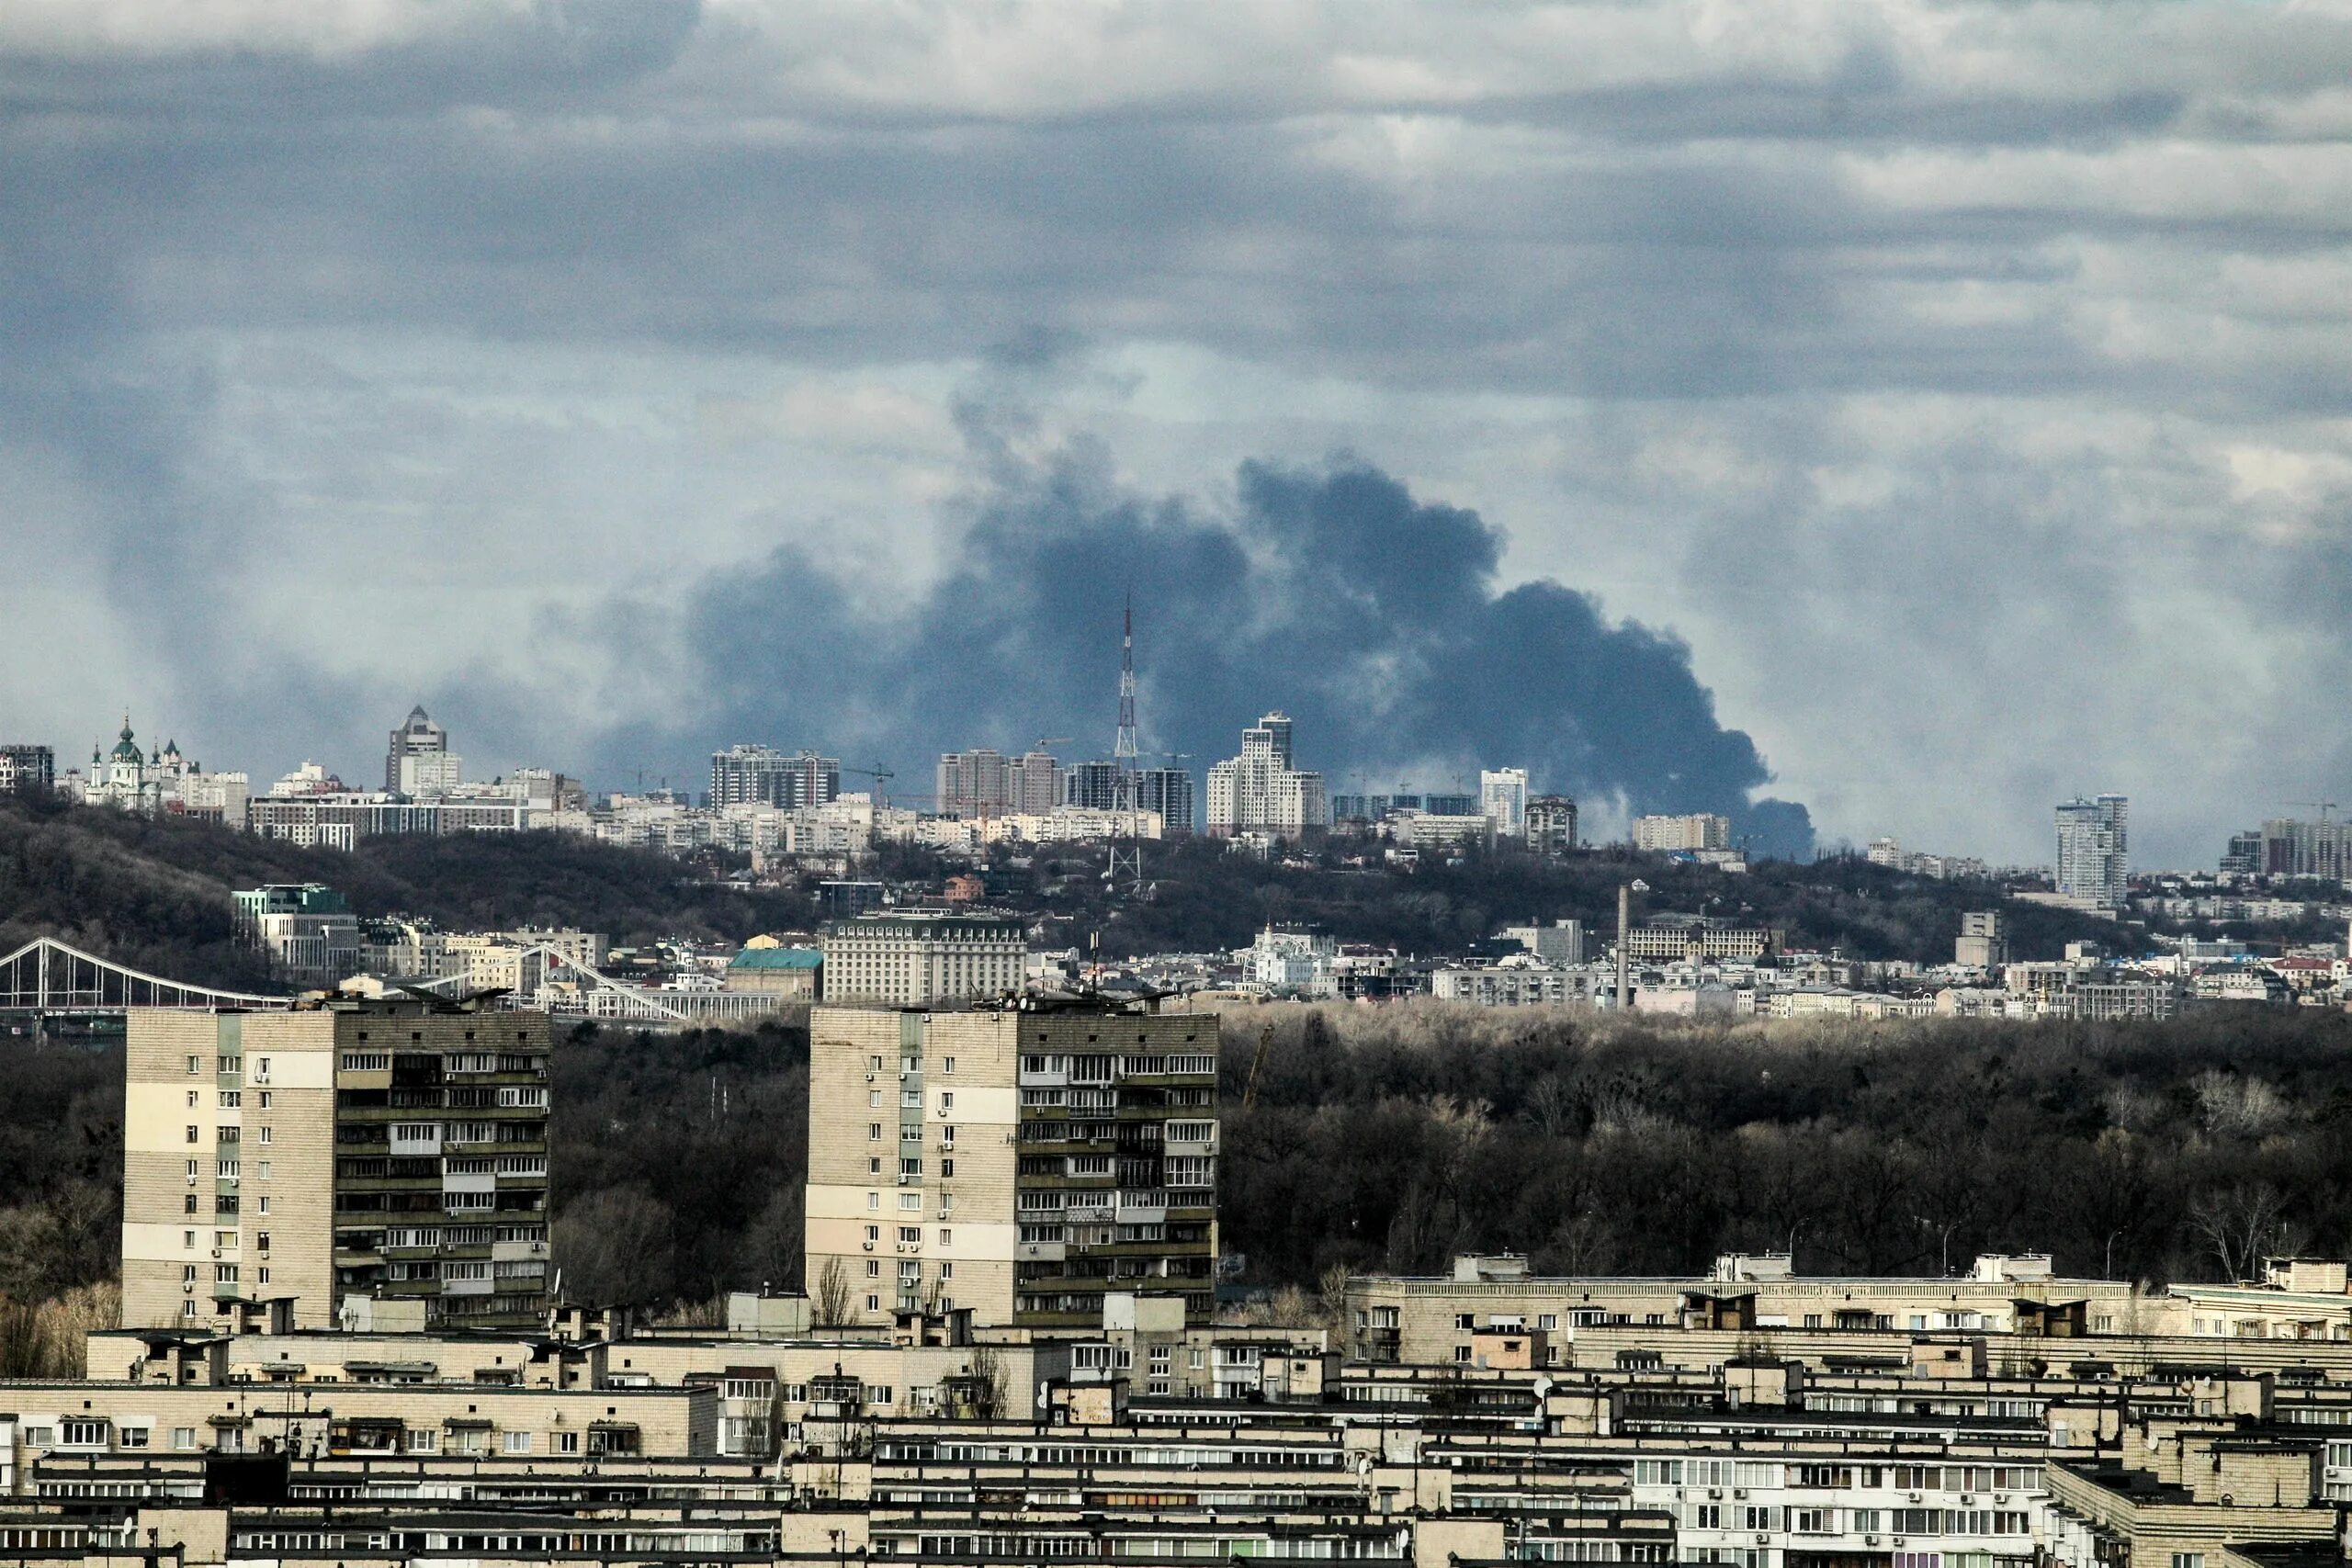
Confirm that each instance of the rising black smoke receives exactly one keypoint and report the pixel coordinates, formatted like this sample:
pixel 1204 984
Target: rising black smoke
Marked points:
pixel 1330 592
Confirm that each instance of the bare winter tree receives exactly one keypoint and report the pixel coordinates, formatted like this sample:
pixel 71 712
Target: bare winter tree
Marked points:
pixel 829 1301
pixel 2239 1226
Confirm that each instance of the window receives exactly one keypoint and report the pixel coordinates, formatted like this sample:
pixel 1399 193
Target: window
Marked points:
pixel 191 1170
pixel 874 1233
pixel 82 1433
pixel 2187 1559
pixel 422 1440
pixel 911 1234
pixel 946 1237
pixel 947 1099
pixel 188 1239
pixel 948 1065
pixel 874 1132
pixel 191 1203
pixel 195 1065
pixel 191 1135
pixel 264 1273
pixel 261 1241
pixel 265 1134
pixel 567 1443
pixel 874 1098
pixel 874 1164
pixel 264 1204
pixel 184 1437
pixel 518 1442
pixel 874 1268
pixel 1462 1352
pixel 910 1200
pixel 262 1170
pixel 188 1273
pixel 231 1099
pixel 265 1100
pixel 947 1270
pixel 874 1303
pixel 191 1099
pixel 873 1064
pixel 260 1071
pixel 946 1167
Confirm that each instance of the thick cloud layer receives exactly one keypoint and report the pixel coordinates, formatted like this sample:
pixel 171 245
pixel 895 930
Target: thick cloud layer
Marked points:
pixel 1966 381
pixel 1371 617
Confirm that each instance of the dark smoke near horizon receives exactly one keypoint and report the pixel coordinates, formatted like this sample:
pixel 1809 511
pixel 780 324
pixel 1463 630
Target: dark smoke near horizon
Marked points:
pixel 1330 592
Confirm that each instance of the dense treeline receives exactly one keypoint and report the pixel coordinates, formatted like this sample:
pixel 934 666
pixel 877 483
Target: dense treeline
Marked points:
pixel 679 1160
pixel 1393 1138
pixel 154 893
pixel 1204 896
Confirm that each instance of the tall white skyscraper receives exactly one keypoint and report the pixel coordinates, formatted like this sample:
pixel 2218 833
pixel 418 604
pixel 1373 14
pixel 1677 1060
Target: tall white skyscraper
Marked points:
pixel 1260 792
pixel 2094 849
pixel 1502 799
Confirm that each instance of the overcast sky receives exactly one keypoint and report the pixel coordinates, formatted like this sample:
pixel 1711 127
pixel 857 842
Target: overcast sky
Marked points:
pixel 1958 394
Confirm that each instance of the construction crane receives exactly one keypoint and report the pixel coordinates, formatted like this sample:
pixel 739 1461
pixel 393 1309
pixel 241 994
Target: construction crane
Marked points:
pixel 881 775
pixel 1257 1065
pixel 2321 807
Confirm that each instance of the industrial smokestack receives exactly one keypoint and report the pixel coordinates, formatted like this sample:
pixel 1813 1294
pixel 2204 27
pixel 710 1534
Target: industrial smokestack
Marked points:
pixel 1624 973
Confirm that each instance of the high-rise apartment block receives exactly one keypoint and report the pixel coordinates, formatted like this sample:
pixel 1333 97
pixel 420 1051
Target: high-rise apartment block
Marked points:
pixel 1167 790
pixel 1094 786
pixel 1551 824
pixel 972 783
pixel 1701 831
pixel 2094 851
pixel 755 775
pixel 419 763
pixel 387 1149
pixel 28 769
pixel 921 958
pixel 1261 792
pixel 1502 799
pixel 1023 1162
pixel 2291 847
pixel 1033 783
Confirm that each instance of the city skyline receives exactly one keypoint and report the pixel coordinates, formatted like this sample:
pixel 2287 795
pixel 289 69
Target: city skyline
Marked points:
pixel 1795 395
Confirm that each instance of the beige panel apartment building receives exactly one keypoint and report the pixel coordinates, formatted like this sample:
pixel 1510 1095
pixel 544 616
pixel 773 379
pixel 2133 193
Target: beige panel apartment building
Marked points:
pixel 393 1148
pixel 1020 1161
pixel 921 958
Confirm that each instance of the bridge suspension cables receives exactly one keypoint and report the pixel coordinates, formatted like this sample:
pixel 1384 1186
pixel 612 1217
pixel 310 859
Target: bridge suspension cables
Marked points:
pixel 46 975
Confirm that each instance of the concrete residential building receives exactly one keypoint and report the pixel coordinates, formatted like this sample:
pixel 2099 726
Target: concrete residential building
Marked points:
pixel 971 783
pixel 1562 942
pixel 1167 792
pixel 307 928
pixel 745 774
pixel 419 763
pixel 1094 786
pixel 1502 797
pixel 1551 824
pixel 390 1149
pixel 1701 831
pixel 1019 1162
pixel 28 769
pixel 921 958
pixel 1983 942
pixel 2094 851
pixel 1668 940
pixel 1261 792
pixel 1033 784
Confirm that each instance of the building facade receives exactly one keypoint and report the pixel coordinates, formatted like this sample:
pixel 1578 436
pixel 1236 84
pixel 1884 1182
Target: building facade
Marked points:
pixel 418 763
pixel 2094 851
pixel 971 783
pixel 1168 793
pixel 1984 941
pixel 1700 831
pixel 1262 792
pixel 1021 1162
pixel 28 769
pixel 750 773
pixel 1502 797
pixel 1551 824
pixel 392 1149
pixel 919 958
pixel 307 928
